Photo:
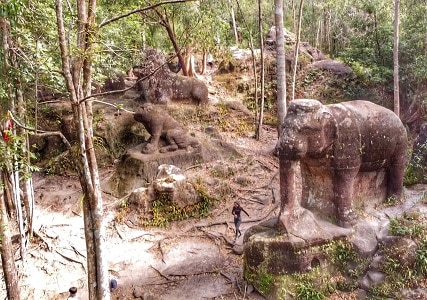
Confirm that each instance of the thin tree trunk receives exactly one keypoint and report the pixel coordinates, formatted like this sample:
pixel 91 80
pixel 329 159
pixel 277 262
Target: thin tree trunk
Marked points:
pixel 172 36
pixel 86 162
pixel 233 20
pixel 295 64
pixel 20 107
pixel 8 262
pixel 425 24
pixel 254 68
pixel 281 64
pixel 294 19
pixel 261 44
pixel 396 58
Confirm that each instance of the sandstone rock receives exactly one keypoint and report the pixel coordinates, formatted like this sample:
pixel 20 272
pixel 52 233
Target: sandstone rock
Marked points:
pixel 141 198
pixel 371 279
pixel 365 238
pixel 172 185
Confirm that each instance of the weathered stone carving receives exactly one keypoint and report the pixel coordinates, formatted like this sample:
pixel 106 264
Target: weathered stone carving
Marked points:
pixel 159 85
pixel 346 138
pixel 160 124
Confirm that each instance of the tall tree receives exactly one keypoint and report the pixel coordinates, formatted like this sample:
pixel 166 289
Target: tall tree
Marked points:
pixel 396 58
pixel 16 211
pixel 281 64
pixel 295 63
pixel 76 67
pixel 261 45
pixel 254 63
pixel 189 24
pixel 233 23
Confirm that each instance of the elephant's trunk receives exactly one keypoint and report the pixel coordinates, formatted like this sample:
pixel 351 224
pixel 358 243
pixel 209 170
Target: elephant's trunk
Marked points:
pixel 290 185
pixel 291 148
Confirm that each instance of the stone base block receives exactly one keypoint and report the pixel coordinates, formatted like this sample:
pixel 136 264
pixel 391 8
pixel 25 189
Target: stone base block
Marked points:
pixel 136 169
pixel 270 254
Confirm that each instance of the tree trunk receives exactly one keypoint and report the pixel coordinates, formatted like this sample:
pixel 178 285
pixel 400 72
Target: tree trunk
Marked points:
pixel 255 72
pixel 233 20
pixel 396 58
pixel 425 24
pixel 261 46
pixel 281 64
pixel 172 37
pixel 164 21
pixel 98 283
pixel 295 64
pixel 8 261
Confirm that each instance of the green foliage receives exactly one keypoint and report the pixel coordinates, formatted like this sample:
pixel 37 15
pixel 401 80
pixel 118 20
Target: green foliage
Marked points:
pixel 265 283
pixel 164 211
pixel 421 258
pixel 401 275
pixel 120 46
pixel 408 226
pixel 12 9
pixel 391 201
pixel 315 285
pixel 344 253
pixel 307 291
pixel 14 155
pixel 416 169
pixel 344 257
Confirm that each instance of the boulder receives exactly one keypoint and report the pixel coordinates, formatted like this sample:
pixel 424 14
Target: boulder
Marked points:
pixel 172 185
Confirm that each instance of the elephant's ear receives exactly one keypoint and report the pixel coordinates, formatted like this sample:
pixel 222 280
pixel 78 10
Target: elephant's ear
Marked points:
pixel 329 126
pixel 347 143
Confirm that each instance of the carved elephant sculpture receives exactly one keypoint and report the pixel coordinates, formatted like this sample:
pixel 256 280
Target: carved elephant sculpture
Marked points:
pixel 160 124
pixel 347 138
pixel 159 85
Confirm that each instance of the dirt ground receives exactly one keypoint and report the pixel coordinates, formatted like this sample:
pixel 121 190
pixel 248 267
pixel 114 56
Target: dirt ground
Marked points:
pixel 192 259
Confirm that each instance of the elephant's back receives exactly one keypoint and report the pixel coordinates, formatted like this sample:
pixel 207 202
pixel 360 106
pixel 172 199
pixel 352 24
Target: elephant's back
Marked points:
pixel 381 131
pixel 373 116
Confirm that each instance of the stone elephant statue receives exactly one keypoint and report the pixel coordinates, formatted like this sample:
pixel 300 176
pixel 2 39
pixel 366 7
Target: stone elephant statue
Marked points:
pixel 160 124
pixel 159 85
pixel 346 138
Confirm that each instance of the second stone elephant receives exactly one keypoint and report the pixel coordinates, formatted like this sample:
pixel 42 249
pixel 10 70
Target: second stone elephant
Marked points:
pixel 346 138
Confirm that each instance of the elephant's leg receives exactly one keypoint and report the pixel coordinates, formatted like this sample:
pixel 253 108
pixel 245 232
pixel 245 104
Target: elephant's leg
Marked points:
pixel 289 197
pixel 395 173
pixel 343 185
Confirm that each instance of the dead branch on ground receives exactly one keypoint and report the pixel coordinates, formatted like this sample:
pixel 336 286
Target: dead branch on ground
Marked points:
pixel 37 234
pixel 118 231
pixel 71 259
pixel 163 275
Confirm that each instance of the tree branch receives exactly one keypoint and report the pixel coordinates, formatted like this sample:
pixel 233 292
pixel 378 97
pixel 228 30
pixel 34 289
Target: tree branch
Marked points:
pixel 126 89
pixel 41 132
pixel 140 10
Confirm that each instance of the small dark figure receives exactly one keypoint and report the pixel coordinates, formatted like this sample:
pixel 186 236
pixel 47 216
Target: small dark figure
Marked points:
pixel 73 293
pixel 113 284
pixel 237 209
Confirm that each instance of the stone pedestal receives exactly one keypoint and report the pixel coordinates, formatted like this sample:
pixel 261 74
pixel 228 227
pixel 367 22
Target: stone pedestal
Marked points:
pixel 270 253
pixel 135 169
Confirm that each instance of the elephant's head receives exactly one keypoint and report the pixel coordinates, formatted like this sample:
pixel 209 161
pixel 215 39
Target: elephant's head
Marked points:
pixel 308 130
